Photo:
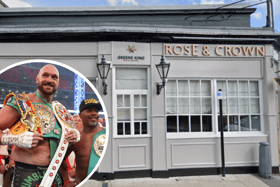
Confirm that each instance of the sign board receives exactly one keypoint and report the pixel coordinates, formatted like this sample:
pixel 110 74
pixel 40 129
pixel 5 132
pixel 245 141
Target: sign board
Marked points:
pixel 131 53
pixel 214 50
pixel 221 95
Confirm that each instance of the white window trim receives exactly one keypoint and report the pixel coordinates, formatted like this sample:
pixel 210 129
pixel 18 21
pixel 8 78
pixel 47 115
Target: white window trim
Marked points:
pixel 201 135
pixel 199 114
pixel 129 92
pixel 243 133
pixel 215 133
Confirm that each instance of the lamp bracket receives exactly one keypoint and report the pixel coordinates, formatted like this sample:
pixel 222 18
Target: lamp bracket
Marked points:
pixel 159 87
pixel 105 86
pixel 105 89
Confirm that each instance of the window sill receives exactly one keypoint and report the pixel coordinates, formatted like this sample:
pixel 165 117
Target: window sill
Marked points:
pixel 244 134
pixel 131 136
pixel 200 135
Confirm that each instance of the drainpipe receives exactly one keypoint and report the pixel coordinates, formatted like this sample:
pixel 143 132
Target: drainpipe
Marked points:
pixel 269 17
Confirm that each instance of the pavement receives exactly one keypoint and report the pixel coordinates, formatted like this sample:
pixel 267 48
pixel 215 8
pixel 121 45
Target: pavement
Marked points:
pixel 236 180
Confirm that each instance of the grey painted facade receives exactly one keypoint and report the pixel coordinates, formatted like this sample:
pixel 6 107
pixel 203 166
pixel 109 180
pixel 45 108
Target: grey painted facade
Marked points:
pixel 79 37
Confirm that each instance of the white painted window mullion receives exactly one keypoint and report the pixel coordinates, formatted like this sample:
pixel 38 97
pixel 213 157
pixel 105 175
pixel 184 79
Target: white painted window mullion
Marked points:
pixel 177 105
pixel 132 108
pixel 238 107
pixel 249 98
pixel 189 95
pixel 200 95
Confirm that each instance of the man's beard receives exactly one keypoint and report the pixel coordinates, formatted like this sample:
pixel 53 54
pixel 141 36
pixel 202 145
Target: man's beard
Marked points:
pixel 40 87
pixel 93 124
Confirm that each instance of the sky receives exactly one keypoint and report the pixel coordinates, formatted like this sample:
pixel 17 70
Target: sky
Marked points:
pixel 258 19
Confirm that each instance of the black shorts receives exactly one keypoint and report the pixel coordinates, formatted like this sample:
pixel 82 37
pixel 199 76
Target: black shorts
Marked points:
pixel 26 175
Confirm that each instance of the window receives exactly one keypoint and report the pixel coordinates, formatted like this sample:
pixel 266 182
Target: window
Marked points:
pixel 131 79
pixel 241 109
pixel 190 105
pixel 132 101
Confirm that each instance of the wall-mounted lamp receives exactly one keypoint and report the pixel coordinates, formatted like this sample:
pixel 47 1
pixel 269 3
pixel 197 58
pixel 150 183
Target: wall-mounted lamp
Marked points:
pixel 163 69
pixel 277 80
pixel 103 70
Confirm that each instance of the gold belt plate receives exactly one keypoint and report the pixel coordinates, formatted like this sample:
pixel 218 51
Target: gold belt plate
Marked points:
pixel 99 144
pixel 46 116
pixel 42 121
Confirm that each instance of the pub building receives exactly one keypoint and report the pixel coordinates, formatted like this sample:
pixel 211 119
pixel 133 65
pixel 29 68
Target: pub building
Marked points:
pixel 169 126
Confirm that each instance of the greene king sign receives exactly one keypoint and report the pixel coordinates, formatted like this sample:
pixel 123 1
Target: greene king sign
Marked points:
pixel 214 50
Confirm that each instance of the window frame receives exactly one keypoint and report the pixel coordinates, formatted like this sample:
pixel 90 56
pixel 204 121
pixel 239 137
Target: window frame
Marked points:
pixel 131 93
pixel 189 97
pixel 215 131
pixel 239 97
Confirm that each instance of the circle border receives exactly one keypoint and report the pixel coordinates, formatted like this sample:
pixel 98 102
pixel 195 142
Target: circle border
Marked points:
pixel 91 86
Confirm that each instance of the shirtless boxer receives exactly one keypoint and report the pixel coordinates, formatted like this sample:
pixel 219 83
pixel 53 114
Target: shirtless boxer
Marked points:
pixel 87 155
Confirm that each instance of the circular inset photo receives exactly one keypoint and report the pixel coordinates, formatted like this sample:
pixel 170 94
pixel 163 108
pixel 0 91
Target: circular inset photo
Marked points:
pixel 53 122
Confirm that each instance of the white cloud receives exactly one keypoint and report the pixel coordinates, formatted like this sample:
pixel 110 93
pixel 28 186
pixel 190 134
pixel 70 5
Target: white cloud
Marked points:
pixel 115 2
pixel 212 2
pixel 257 15
pixel 16 3
pixel 129 1
pixel 276 7
pixel 112 2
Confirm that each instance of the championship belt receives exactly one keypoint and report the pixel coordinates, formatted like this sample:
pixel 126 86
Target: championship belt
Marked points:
pixel 97 148
pixel 35 118
pixel 67 123
pixel 99 144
